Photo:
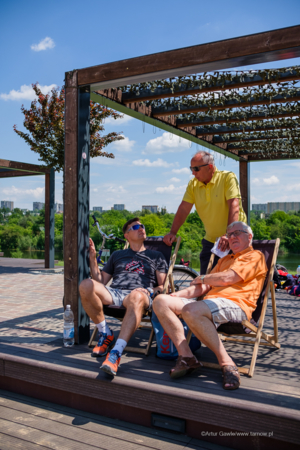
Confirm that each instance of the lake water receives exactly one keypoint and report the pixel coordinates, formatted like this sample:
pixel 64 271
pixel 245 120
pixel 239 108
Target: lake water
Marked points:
pixel 35 254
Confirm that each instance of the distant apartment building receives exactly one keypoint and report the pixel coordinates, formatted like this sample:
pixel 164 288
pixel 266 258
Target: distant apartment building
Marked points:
pixel 276 206
pixel 59 207
pixel 97 208
pixel 119 207
pixel 283 206
pixel 260 207
pixel 7 204
pixel 38 206
pixel 152 208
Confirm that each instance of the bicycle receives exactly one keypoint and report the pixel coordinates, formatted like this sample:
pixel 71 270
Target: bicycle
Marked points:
pixel 182 274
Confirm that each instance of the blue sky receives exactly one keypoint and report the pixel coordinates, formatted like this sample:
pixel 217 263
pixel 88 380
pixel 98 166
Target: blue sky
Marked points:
pixel 150 167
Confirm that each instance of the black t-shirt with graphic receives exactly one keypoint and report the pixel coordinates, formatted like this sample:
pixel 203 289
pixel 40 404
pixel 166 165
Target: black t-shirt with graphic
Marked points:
pixel 131 270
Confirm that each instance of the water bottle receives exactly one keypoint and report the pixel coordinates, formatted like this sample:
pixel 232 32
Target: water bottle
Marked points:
pixel 68 327
pixel 298 270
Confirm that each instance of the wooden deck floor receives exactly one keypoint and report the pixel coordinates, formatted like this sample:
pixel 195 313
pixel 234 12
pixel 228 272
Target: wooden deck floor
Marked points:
pixel 33 361
pixel 28 424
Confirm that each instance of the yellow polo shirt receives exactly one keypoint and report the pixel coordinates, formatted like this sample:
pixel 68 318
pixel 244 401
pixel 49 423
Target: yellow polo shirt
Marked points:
pixel 211 204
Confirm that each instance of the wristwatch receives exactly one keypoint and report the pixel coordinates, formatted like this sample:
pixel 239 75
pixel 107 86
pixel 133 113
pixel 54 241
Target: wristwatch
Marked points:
pixel 202 278
pixel 151 292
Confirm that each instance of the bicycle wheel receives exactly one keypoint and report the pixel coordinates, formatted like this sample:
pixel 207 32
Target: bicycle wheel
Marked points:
pixel 183 276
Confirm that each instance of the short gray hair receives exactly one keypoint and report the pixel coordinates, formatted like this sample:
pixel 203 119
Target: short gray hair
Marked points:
pixel 206 156
pixel 244 226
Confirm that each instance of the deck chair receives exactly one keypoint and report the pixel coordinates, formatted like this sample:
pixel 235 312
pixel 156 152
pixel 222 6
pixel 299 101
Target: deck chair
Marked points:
pixel 253 329
pixel 151 243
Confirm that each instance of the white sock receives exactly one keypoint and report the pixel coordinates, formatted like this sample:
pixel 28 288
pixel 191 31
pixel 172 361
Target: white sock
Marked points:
pixel 120 345
pixel 104 328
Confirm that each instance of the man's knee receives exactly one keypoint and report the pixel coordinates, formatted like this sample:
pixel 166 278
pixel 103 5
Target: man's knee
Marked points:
pixel 136 300
pixel 192 310
pixel 86 287
pixel 160 302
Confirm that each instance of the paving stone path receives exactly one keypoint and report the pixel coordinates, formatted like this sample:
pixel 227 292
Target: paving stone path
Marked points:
pixel 30 307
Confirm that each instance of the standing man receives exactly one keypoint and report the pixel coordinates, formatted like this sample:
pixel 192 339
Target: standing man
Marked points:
pixel 217 198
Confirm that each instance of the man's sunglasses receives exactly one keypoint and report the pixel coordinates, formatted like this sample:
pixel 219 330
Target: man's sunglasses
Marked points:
pixel 235 233
pixel 197 168
pixel 136 227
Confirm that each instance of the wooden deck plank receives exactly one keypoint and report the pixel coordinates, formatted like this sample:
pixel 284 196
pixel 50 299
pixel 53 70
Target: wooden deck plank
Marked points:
pixel 39 417
pixel 88 416
pixel 141 436
pixel 150 368
pixel 12 443
pixel 43 438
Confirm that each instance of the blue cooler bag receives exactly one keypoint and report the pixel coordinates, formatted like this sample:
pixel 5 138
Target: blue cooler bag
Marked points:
pixel 165 348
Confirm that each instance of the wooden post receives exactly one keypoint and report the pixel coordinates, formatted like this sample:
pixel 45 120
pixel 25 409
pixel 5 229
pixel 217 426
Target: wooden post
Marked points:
pixel 70 198
pixel 83 187
pixel 76 200
pixel 245 187
pixel 49 219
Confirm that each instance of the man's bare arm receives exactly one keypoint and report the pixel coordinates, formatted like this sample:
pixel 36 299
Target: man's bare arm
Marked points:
pixel 193 291
pixel 97 275
pixel 179 219
pixel 233 216
pixel 226 278
pixel 161 278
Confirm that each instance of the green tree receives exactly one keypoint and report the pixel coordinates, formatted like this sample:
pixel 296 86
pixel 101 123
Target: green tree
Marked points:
pixel 45 123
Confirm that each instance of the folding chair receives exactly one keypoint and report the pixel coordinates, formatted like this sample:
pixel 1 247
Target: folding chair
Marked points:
pixel 254 328
pixel 118 312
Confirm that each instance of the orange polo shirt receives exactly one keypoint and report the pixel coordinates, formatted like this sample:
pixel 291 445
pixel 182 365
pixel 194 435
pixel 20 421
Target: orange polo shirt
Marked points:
pixel 251 266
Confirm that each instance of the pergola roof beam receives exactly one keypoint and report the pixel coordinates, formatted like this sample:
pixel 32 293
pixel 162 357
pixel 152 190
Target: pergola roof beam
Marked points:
pixel 209 120
pixel 96 97
pixel 17 173
pixel 200 131
pixel 6 164
pixel 184 89
pixel 229 104
pixel 218 139
pixel 237 52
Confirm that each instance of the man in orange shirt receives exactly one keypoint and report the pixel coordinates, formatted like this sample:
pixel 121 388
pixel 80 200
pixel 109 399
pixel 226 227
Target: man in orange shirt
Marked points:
pixel 231 291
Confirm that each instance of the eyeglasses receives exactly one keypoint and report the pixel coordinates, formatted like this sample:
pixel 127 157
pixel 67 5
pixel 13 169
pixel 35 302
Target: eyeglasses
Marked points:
pixel 197 168
pixel 136 227
pixel 235 233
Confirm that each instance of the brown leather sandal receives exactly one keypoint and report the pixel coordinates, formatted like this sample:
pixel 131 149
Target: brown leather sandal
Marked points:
pixel 231 376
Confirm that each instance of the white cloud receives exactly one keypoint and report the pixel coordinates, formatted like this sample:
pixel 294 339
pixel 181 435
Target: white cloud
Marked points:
pixel 169 189
pixel 147 163
pixel 15 193
pixel 166 143
pixel 184 170
pixel 118 122
pixel 292 187
pixel 265 181
pixel 175 180
pixel 125 145
pixel 116 189
pixel 26 92
pixel 44 44
pixel 272 180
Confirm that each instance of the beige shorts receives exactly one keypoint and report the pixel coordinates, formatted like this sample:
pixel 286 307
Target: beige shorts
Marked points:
pixel 222 310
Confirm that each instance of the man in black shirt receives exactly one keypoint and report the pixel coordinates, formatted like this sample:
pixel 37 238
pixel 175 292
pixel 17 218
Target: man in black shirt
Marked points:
pixel 133 270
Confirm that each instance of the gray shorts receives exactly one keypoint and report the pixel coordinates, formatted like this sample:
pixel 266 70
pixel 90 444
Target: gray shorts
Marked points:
pixel 118 296
pixel 222 310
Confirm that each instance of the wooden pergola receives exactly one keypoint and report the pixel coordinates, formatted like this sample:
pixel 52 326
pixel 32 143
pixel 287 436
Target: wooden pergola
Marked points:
pixel 11 169
pixel 248 116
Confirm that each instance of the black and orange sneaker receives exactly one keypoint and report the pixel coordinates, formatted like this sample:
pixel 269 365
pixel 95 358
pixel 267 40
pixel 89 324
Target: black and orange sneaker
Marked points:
pixel 104 344
pixel 111 363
